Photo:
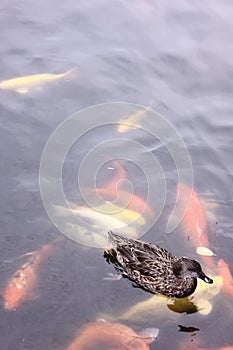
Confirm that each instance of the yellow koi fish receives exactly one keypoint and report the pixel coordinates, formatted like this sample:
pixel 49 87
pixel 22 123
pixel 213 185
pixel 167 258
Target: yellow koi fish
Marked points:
pixel 200 302
pixel 125 215
pixel 131 121
pixel 23 84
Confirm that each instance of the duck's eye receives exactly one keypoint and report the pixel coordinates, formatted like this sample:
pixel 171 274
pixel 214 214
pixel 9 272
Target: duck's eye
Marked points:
pixel 176 268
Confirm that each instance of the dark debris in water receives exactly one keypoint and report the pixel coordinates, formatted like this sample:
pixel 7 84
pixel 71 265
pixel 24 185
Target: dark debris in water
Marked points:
pixel 189 329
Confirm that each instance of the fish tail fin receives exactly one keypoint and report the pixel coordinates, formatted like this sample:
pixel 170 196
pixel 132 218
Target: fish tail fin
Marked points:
pixel 70 73
pixel 28 254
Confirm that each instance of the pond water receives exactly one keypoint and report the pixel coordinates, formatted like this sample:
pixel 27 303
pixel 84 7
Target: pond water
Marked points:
pixel 176 57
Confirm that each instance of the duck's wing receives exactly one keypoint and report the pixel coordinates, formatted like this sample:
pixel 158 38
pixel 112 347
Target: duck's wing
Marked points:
pixel 147 259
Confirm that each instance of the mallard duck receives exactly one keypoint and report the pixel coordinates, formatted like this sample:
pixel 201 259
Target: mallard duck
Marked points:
pixel 154 268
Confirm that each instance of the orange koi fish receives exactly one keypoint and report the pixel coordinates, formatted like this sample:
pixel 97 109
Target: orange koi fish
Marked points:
pixel 120 175
pixel 124 198
pixel 127 200
pixel 21 285
pixel 194 220
pixel 105 334
pixel 225 273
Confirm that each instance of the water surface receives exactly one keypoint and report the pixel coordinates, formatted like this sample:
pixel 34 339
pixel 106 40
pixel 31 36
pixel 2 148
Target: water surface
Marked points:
pixel 178 56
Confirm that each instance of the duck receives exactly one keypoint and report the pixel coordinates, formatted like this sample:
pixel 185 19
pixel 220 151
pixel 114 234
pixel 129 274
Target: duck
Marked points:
pixel 153 268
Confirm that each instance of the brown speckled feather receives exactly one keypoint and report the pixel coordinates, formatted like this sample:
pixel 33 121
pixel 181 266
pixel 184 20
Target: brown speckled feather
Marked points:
pixel 151 267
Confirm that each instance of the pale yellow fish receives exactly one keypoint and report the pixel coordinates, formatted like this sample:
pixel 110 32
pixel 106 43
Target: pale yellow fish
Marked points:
pixel 23 84
pixel 204 251
pixel 131 121
pixel 125 215
pixel 161 306
pixel 98 224
pixel 107 216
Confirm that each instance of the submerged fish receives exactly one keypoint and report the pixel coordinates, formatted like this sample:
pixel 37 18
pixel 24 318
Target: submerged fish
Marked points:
pixel 120 175
pixel 23 84
pixel 125 215
pixel 111 188
pixel 131 121
pixel 200 302
pixel 21 285
pixel 97 221
pixel 111 335
pixel 128 201
pixel 225 273
pixel 194 220
pixel 103 216
pixel 122 198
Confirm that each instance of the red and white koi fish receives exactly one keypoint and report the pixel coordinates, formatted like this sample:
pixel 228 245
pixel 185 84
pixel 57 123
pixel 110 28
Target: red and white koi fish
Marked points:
pixel 22 284
pixel 114 335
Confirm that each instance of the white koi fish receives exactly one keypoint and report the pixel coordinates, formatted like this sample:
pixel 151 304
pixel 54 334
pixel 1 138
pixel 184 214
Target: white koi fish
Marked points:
pixel 92 227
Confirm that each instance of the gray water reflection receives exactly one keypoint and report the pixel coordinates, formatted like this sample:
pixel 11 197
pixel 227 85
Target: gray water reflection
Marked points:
pixel 176 54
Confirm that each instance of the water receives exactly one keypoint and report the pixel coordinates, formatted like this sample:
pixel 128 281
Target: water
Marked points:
pixel 176 55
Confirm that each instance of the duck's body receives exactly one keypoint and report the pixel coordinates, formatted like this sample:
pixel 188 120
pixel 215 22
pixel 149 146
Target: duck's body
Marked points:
pixel 155 269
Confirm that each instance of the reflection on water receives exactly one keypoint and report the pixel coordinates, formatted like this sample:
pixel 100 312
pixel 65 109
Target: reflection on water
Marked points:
pixel 176 58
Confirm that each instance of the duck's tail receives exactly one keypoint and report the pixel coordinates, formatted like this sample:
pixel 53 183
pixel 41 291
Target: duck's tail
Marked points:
pixel 117 239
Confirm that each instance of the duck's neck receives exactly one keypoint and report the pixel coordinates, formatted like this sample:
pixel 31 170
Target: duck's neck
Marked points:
pixel 186 287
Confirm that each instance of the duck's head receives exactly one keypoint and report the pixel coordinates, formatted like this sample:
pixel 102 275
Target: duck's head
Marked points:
pixel 186 268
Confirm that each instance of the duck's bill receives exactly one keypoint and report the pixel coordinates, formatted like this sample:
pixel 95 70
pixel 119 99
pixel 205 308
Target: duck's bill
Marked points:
pixel 205 278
